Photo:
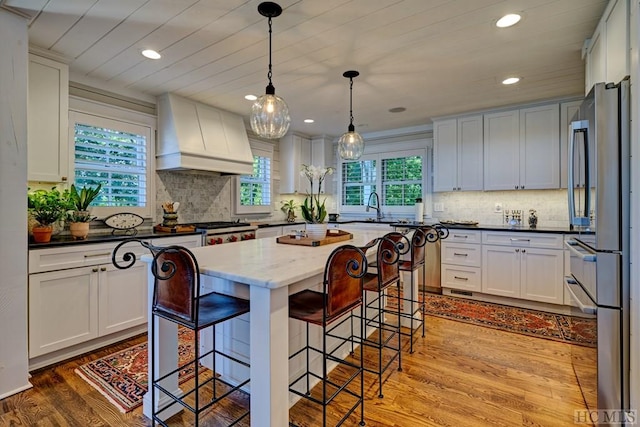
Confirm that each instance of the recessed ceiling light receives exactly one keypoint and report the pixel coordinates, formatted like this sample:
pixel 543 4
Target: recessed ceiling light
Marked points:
pixel 397 110
pixel 511 80
pixel 508 20
pixel 309 120
pixel 151 54
pixel 250 97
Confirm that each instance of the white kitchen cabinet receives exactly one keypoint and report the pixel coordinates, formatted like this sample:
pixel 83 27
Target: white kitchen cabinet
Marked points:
pixel 457 154
pixel 523 265
pixel 76 294
pixel 295 150
pixel 460 261
pixel 48 112
pixel 322 155
pixel 262 233
pixel 607 53
pixel 522 149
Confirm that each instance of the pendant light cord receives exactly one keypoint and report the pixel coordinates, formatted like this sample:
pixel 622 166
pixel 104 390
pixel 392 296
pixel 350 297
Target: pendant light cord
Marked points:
pixel 351 101
pixel 269 73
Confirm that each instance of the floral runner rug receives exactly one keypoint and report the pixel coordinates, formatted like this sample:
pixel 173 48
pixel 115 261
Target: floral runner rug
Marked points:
pixel 122 376
pixel 535 323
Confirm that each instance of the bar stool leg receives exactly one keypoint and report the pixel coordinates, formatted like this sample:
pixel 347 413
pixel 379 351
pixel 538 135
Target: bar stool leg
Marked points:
pixel 399 329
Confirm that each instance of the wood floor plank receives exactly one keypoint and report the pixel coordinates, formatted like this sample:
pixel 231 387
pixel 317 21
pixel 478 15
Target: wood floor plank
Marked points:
pixel 459 375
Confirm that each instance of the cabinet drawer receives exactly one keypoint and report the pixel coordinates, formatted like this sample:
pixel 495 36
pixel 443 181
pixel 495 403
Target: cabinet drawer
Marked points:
pixel 464 236
pixel 461 254
pixel 190 241
pixel 467 278
pixel 532 240
pixel 81 255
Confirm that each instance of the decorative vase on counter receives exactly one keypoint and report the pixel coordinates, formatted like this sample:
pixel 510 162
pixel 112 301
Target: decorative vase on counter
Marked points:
pixel 317 231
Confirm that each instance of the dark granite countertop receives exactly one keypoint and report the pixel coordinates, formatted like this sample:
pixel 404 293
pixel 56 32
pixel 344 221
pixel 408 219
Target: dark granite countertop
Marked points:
pixel 482 227
pixel 67 240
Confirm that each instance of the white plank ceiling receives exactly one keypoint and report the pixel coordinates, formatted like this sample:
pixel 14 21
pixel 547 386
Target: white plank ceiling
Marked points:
pixel 432 57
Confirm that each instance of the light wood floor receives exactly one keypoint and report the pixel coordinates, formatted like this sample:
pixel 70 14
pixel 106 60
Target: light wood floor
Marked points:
pixel 459 375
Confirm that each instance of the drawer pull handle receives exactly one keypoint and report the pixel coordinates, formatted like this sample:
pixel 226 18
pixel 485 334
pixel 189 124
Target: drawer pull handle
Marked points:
pixel 458 236
pixel 457 254
pixel 460 278
pixel 97 255
pixel 520 240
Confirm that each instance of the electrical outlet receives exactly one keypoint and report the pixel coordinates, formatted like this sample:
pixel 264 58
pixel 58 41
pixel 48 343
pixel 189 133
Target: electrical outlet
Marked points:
pixel 497 208
pixel 438 207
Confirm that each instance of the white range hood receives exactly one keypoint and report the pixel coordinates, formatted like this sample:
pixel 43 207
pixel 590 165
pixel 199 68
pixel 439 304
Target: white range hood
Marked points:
pixel 195 136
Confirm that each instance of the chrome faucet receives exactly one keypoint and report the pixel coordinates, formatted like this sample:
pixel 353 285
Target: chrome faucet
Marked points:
pixel 376 207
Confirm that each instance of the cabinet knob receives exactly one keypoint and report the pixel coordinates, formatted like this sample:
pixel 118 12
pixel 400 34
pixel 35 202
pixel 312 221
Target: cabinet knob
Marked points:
pixel 63 178
pixel 95 269
pixel 454 188
pixel 522 187
pixel 516 187
pixel 103 268
pixel 524 250
pixel 517 250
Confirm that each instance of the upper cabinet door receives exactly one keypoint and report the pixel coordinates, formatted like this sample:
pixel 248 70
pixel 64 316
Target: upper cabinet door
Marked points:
pixel 501 150
pixel 48 118
pixel 445 157
pixel 540 147
pixel 295 151
pixel 617 42
pixel 470 160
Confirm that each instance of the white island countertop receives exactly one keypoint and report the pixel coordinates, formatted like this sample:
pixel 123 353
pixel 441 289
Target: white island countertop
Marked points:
pixel 266 263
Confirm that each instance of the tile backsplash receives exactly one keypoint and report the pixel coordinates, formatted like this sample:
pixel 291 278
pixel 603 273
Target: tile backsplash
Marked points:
pixel 550 206
pixel 202 196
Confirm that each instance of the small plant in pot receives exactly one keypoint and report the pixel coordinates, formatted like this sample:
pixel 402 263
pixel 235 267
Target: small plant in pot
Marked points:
pixel 289 207
pixel 46 207
pixel 80 217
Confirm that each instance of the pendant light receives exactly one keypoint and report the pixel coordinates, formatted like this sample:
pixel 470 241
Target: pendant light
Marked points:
pixel 269 113
pixel 350 144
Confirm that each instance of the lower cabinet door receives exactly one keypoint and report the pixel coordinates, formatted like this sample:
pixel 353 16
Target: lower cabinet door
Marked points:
pixel 542 275
pixel 63 309
pixel 501 271
pixel 122 297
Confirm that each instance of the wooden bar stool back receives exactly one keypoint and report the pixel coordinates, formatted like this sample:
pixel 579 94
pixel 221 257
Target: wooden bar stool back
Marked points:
pixel 329 309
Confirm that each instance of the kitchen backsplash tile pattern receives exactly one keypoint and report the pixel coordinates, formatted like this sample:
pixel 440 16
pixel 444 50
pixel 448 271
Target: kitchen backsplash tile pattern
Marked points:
pixel 550 206
pixel 202 196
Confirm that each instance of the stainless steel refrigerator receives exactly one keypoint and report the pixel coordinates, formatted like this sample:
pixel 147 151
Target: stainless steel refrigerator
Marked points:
pixel 599 199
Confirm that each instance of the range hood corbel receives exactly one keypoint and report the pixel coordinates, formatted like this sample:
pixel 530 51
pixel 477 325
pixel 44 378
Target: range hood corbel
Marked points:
pixel 195 136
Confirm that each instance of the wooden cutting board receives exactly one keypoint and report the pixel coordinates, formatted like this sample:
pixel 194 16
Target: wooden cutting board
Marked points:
pixel 177 229
pixel 332 237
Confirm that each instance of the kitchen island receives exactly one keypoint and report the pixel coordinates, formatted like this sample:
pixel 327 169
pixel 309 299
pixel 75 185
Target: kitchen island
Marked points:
pixel 266 272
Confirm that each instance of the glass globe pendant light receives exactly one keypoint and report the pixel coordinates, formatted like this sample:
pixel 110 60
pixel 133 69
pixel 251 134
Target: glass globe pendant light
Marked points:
pixel 269 113
pixel 350 144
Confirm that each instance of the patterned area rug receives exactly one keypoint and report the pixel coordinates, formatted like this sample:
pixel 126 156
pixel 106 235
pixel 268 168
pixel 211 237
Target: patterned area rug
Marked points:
pixel 122 377
pixel 519 320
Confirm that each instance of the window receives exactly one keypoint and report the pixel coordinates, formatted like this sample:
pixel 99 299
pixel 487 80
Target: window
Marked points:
pixel 253 192
pixel 397 178
pixel 113 153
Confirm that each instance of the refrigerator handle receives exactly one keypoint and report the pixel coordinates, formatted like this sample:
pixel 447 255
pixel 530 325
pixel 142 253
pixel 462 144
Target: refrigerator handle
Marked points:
pixel 575 218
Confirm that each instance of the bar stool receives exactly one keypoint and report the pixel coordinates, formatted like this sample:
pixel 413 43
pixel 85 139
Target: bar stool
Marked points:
pixel 410 265
pixel 390 247
pixel 421 236
pixel 177 298
pixel 330 309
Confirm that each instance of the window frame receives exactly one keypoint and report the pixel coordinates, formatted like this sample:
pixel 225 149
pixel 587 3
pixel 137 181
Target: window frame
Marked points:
pixel 98 114
pixel 378 157
pixel 263 149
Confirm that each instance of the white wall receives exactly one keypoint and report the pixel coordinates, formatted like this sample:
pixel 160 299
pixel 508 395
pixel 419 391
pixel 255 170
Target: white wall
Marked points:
pixel 13 189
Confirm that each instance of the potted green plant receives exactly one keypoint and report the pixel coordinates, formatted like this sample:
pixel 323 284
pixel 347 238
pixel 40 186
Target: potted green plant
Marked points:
pixel 80 217
pixel 288 207
pixel 46 207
